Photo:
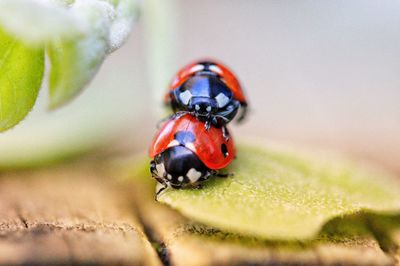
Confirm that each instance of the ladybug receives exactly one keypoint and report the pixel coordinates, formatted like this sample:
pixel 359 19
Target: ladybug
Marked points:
pixel 185 153
pixel 209 91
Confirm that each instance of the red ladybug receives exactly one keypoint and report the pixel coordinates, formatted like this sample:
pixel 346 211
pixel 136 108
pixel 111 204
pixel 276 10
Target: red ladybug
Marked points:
pixel 185 153
pixel 209 91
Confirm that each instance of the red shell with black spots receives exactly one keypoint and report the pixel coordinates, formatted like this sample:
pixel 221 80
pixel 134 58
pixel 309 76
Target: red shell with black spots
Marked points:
pixel 225 74
pixel 209 145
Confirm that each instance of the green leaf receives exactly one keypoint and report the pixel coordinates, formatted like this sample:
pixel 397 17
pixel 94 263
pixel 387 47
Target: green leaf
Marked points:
pixel 78 35
pixel 73 65
pixel 41 21
pixel 21 72
pixel 74 62
pixel 280 195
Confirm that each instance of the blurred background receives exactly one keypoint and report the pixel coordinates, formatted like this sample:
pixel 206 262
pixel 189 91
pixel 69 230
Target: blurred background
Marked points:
pixel 318 73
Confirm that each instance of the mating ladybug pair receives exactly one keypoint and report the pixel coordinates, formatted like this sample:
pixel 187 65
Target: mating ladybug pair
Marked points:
pixel 195 143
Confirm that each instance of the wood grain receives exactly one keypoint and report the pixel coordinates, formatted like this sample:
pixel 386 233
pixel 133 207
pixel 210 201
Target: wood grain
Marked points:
pixel 185 243
pixel 69 215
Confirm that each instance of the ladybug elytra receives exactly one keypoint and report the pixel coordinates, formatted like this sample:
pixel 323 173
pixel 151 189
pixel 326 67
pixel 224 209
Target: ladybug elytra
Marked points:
pixel 185 153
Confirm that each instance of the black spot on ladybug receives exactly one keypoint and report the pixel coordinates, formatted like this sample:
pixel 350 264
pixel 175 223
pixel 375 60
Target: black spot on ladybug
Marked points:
pixel 184 137
pixel 224 150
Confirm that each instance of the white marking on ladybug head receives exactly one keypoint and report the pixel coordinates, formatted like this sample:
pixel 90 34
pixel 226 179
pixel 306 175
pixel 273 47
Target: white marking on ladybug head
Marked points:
pixel 180 178
pixel 193 175
pixel 197 107
pixel 208 109
pixel 160 169
pixel 173 143
pixel 215 69
pixel 221 99
pixel 197 68
pixel 185 97
pixel 169 177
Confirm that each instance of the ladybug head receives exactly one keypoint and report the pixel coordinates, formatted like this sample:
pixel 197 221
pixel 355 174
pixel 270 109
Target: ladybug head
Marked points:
pixel 179 167
pixel 204 94
pixel 203 106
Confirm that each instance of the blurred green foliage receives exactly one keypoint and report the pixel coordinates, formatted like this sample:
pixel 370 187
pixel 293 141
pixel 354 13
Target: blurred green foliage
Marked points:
pixel 77 35
pixel 21 72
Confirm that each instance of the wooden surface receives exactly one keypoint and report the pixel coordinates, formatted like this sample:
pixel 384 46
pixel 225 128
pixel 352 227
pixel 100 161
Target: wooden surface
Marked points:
pixel 76 214
pixel 69 215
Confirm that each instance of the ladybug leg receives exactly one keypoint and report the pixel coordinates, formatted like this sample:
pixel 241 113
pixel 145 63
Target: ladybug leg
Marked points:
pixel 243 112
pixel 199 186
pixel 207 125
pixel 164 186
pixel 160 180
pixel 225 133
pixel 154 173
pixel 173 116
pixel 222 175
pixel 153 168
pixel 180 114
pixel 219 120
pixel 225 116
